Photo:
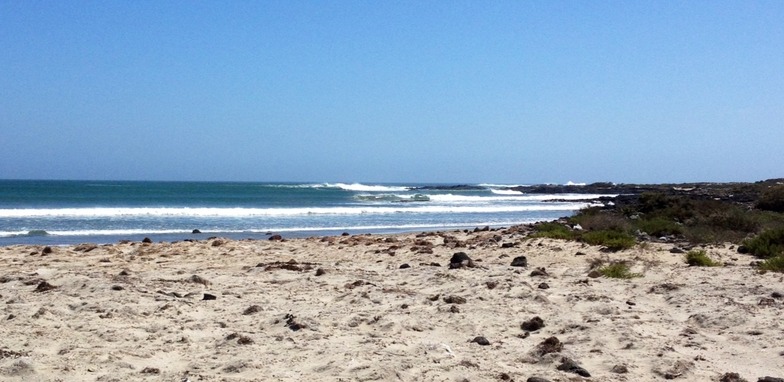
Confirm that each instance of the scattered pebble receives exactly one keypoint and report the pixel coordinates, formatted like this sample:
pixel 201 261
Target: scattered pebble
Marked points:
pixel 480 341
pixel 520 261
pixel 533 324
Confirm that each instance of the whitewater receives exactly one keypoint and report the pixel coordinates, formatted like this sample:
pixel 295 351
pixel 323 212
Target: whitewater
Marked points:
pixel 68 212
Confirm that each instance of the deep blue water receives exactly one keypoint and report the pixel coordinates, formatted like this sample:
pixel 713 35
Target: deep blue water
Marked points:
pixel 67 212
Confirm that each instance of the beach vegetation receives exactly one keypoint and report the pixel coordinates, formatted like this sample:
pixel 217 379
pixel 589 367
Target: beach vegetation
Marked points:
pixel 772 199
pixel 698 258
pixel 766 245
pixel 553 230
pixel 618 270
pixel 659 226
pixel 614 240
pixel 773 264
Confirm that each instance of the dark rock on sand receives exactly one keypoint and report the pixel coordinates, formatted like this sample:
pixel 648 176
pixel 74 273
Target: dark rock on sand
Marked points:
pixel 676 250
pixel 533 324
pixel 147 240
pixel 208 296
pixel 539 272
pixel 520 261
pixel 544 286
pixel 770 379
pixel 620 369
pixel 776 295
pixel 481 341
pixel 44 286
pixel 571 366
pixel 550 345
pixel 85 247
pixel 320 272
pixel 47 250
pixel 454 309
pixel 404 266
pixel 151 370
pixel 460 260
pixel 537 379
pixel 292 324
pixel 742 249
pixel 275 238
pixel 454 300
pixel 251 310
pixel 731 377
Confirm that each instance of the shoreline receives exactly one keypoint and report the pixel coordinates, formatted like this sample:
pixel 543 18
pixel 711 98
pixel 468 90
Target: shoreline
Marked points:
pixel 382 307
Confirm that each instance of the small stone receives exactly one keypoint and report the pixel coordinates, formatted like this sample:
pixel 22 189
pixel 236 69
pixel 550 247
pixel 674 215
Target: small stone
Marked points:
pixel 731 377
pixel 491 284
pixel 208 296
pixel 620 369
pixel 594 274
pixel 460 260
pixel 320 272
pixel 580 254
pixel 533 324
pixel 544 286
pixel 520 261
pixel 275 238
pixel 539 272
pixel 44 286
pixel 481 341
pixel 252 309
pixel 454 309
pixel 676 250
pixel 404 266
pixel 770 379
pixel 572 367
pixel 537 379
pixel 151 370
pixel 47 250
pixel 550 345
pixel 147 240
pixel 776 295
pixel 742 249
pixel 117 287
pixel 454 300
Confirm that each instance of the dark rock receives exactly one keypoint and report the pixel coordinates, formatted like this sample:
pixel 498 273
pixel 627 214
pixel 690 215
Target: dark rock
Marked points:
pixel 275 238
pixel 770 379
pixel 550 345
pixel 435 264
pixel 731 377
pixel 533 324
pixel 208 296
pixel 47 250
pixel 218 243
pixel 454 300
pixel 44 286
pixel 195 231
pixel 252 309
pixel 539 272
pixel 345 234
pixel 117 287
pixel 520 261
pixel 198 280
pixel 292 324
pixel 481 341
pixel 537 379
pixel 776 295
pixel 147 240
pixel 569 365
pixel 594 274
pixel 544 286
pixel 580 254
pixel 491 284
pixel 320 272
pixel 151 370
pixel 404 266
pixel 620 369
pixel 742 249
pixel 125 272
pixel 505 377
pixel 244 340
pixel 454 309
pixel 460 260
pixel 85 247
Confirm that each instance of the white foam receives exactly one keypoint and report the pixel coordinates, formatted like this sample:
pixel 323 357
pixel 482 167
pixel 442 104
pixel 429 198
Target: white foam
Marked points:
pixel 103 212
pixel 366 188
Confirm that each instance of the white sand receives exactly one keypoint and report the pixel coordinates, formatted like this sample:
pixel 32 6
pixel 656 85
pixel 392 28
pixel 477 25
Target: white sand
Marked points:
pixel 366 319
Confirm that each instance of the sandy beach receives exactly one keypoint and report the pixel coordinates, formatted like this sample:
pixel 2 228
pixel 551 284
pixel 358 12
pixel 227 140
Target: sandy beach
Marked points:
pixel 375 307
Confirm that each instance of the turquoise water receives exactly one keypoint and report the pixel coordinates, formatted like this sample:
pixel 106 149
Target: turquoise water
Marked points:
pixel 66 212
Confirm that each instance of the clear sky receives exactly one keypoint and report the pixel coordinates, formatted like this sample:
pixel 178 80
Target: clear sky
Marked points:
pixel 392 91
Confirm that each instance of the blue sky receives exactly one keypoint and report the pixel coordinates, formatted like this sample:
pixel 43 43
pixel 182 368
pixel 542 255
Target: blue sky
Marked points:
pixel 397 91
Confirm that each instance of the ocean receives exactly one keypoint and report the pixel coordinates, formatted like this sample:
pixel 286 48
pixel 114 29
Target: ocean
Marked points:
pixel 69 212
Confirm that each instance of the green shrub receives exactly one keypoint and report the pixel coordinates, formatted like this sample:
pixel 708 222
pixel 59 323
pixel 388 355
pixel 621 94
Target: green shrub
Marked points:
pixel 698 258
pixel 553 230
pixel 594 220
pixel 659 226
pixel 768 244
pixel 613 240
pixel 618 270
pixel 772 199
pixel 773 264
